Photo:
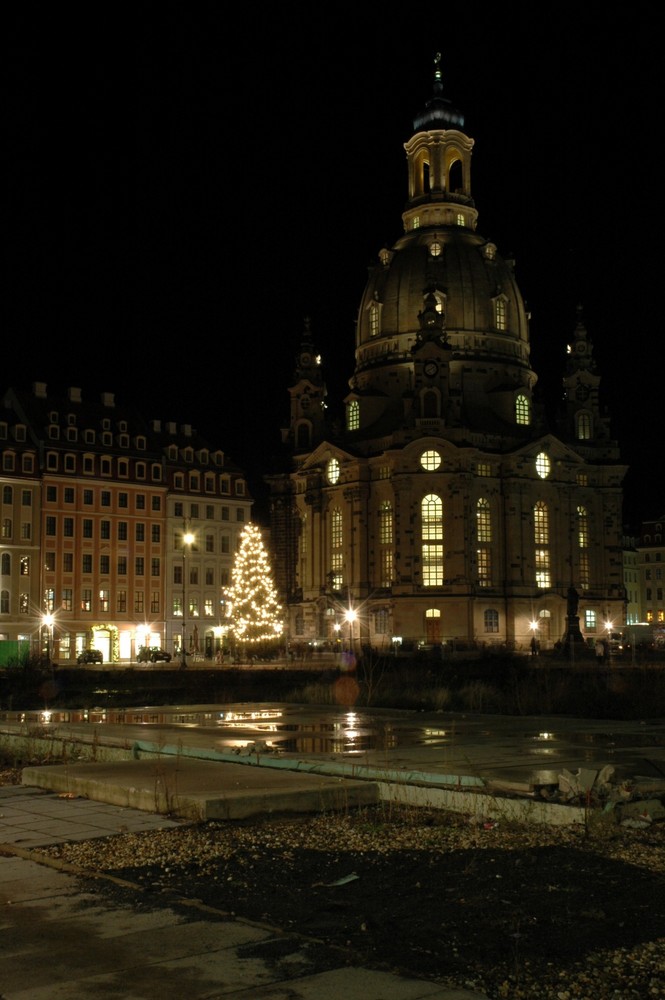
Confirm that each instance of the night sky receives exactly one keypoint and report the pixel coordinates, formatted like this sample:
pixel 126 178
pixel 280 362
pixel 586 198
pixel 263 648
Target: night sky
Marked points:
pixel 186 186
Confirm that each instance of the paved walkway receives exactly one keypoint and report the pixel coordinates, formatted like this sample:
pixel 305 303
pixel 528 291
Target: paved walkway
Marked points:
pixel 59 943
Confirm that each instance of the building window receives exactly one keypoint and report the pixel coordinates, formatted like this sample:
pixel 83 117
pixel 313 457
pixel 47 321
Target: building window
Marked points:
pixel 373 320
pixel 541 533
pixel 139 566
pixel 24 566
pixel 336 553
pixel 155 566
pixel 122 531
pixel 8 494
pixel 139 531
pixel 590 620
pixel 4 602
pixel 156 532
pixel 105 529
pixel 69 494
pixel 106 498
pixel 87 497
pixel 86 562
pixel 156 503
pixel 583 546
pixel 138 602
pixel 87 527
pixel 353 415
pixel 240 514
pixel 7 527
pixel 207 607
pixel 522 410
pixel 67 602
pixel 67 562
pixel 333 471
pixel 122 565
pixel 584 426
pixel 26 530
pixel 86 600
pixel 543 465
pixel 121 601
pixel 105 565
pixel 500 314
pixel 123 500
pixel 6 564
pixel 154 602
pixel 26 498
pixel 49 599
pixel 431 513
pixel 491 620
pixel 23 604
pixel 430 460
pixel 68 527
pixel 140 501
pixel 210 543
pixel 483 541
pixel 104 600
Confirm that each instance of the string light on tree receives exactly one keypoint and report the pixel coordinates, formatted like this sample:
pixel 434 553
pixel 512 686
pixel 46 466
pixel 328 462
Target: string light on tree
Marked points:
pixel 256 615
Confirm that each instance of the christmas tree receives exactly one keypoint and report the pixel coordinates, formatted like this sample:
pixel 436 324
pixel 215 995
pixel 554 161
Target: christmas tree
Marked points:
pixel 256 615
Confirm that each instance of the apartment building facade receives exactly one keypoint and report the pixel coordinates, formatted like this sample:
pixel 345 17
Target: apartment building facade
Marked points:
pixel 96 505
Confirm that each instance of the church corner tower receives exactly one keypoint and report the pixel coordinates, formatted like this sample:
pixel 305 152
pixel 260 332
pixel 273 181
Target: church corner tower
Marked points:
pixel 446 510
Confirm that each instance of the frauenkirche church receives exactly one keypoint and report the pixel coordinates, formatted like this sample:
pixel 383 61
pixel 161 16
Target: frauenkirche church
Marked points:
pixel 446 509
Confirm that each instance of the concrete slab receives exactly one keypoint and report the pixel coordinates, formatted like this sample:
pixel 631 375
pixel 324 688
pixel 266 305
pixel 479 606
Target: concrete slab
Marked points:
pixel 199 790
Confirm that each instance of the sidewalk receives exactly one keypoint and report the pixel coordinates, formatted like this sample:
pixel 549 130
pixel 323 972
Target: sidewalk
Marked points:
pixel 60 943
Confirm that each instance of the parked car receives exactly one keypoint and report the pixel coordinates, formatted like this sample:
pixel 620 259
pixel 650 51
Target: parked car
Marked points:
pixel 152 654
pixel 90 656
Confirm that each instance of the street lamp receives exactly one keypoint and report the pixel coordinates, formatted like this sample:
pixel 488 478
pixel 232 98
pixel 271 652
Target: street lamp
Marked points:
pixel 187 539
pixel 351 616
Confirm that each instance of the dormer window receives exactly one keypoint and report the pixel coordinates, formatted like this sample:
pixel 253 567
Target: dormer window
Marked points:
pixel 188 455
pixel 54 432
pixel 500 313
pixel 460 219
pixel 416 222
pixel 140 442
pixel 106 424
pixel 489 251
pixel 53 417
pixel 373 319
pixel 123 440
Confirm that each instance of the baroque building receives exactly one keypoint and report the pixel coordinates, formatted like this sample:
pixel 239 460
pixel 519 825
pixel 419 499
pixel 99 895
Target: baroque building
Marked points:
pixel 115 532
pixel 446 509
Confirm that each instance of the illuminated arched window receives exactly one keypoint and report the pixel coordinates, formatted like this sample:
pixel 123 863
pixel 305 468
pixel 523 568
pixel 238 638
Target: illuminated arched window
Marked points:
pixel 336 551
pixel 353 415
pixel 431 513
pixel 386 544
pixel 500 314
pixel 483 540
pixel 522 415
pixel 541 537
pixel 374 319
pixel 583 546
pixel 584 430
pixel 543 465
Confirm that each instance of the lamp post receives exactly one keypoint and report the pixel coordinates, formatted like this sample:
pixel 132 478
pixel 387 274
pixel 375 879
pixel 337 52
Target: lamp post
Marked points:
pixel 351 616
pixel 187 539
pixel 48 621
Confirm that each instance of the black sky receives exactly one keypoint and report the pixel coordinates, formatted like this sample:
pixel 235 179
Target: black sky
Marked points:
pixel 184 187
